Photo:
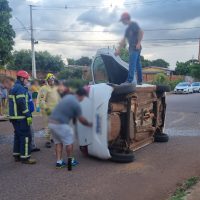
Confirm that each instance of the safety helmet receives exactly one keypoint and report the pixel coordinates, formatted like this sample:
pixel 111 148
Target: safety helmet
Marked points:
pixel 50 76
pixel 125 16
pixel 23 74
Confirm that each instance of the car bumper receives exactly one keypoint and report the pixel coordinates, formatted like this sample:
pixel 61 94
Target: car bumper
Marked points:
pixel 181 92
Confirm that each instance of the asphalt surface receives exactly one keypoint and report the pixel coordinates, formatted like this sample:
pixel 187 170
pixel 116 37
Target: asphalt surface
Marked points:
pixel 158 168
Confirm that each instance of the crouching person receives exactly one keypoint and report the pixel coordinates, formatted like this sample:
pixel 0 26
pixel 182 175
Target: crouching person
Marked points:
pixel 66 110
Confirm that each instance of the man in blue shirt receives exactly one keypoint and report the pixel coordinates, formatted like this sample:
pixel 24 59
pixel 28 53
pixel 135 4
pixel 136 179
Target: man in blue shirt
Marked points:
pixel 133 35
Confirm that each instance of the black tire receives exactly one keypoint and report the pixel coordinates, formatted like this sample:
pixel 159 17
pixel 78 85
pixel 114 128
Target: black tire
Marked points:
pixel 162 88
pixel 125 157
pixel 161 137
pixel 123 89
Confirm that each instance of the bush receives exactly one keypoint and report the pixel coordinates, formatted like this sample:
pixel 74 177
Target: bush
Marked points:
pixel 162 79
pixel 173 84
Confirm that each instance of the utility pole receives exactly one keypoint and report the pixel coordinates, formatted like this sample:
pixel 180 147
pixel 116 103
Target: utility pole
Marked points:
pixel 199 51
pixel 32 44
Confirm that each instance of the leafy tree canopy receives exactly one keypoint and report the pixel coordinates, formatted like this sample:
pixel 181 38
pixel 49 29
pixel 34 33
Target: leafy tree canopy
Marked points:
pixel 7 33
pixel 83 61
pixel 44 61
pixel 124 54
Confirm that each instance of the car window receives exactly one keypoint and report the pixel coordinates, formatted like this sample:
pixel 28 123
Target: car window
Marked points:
pixel 195 84
pixel 183 84
pixel 99 70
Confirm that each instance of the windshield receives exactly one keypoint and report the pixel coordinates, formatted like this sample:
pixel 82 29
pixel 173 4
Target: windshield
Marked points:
pixel 183 84
pixel 195 84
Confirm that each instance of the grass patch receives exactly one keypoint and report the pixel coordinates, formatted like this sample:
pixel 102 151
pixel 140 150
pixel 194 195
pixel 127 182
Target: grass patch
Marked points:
pixel 181 192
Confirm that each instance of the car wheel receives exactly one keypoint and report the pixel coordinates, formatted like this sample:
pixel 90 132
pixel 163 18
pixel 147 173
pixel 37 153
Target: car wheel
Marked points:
pixel 162 88
pixel 161 137
pixel 122 157
pixel 123 89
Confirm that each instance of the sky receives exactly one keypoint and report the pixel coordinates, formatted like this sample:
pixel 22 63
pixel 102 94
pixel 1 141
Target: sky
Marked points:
pixel 75 28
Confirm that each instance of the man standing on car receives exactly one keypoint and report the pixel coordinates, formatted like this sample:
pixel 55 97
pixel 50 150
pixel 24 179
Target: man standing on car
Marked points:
pixel 134 35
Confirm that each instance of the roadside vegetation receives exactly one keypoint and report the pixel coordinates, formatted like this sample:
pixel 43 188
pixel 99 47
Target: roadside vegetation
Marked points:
pixel 182 191
pixel 162 79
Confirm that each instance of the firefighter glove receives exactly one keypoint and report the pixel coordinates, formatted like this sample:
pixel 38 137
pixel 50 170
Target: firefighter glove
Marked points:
pixel 29 120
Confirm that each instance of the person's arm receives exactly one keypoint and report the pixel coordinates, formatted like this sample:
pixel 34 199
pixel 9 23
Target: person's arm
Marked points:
pixel 21 101
pixel 84 121
pixel 140 37
pixel 122 44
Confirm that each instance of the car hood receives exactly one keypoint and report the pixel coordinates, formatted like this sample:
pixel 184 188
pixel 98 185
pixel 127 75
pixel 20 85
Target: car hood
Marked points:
pixel 116 68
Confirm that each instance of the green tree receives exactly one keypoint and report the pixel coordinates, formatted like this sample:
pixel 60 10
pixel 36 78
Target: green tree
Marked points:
pixel 7 33
pixel 83 61
pixel 195 71
pixel 145 62
pixel 70 73
pixel 160 63
pixel 182 68
pixel 124 55
pixel 71 61
pixel 44 61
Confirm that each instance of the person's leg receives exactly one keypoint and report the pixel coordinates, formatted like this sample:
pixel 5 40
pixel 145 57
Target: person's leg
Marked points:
pixel 33 145
pixel 16 143
pixel 25 143
pixel 132 65
pixel 55 130
pixel 69 150
pixel 59 150
pixel 139 70
pixel 46 129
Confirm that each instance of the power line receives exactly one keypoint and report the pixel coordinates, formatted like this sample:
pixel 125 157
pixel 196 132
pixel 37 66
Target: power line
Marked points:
pixel 126 4
pixel 104 40
pixel 105 31
pixel 112 45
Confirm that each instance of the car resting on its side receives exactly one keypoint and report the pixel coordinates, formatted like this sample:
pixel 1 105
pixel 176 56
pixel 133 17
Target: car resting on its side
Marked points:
pixel 125 117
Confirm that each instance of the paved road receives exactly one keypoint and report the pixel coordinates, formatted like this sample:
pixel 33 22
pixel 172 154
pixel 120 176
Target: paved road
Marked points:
pixel 153 176
pixel 183 115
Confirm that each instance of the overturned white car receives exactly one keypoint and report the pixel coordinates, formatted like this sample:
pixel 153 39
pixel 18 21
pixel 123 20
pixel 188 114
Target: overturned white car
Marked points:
pixel 125 117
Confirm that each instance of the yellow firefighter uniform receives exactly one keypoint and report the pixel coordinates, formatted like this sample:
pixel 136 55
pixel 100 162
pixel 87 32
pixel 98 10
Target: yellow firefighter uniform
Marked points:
pixel 47 99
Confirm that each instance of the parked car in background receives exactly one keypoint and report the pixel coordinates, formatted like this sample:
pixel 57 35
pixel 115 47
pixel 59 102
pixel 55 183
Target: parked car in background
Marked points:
pixel 183 88
pixel 196 87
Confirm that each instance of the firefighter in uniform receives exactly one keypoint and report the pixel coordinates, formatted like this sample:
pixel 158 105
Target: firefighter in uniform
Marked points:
pixel 21 119
pixel 48 98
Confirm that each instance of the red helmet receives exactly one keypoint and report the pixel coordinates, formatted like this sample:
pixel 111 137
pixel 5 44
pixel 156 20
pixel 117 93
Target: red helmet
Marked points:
pixel 125 16
pixel 23 74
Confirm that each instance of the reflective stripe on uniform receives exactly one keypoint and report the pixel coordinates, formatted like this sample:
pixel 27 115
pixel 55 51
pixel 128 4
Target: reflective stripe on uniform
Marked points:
pixel 27 100
pixel 26 146
pixel 25 156
pixel 16 154
pixel 16 117
pixel 14 104
pixel 20 96
pixel 25 111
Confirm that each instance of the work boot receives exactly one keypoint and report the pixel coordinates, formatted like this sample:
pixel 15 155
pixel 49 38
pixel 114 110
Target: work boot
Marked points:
pixel 29 161
pixel 48 144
